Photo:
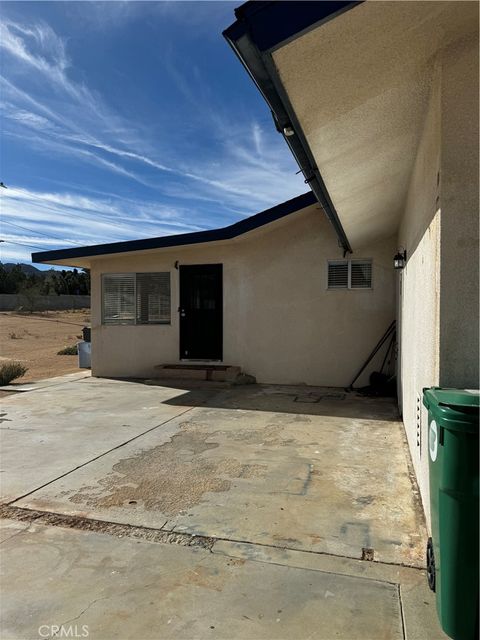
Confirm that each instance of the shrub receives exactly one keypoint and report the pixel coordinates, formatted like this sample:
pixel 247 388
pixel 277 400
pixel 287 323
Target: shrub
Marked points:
pixel 68 351
pixel 11 371
pixel 13 336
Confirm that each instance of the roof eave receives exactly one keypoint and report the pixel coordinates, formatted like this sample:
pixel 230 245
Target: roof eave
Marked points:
pixel 183 239
pixel 257 60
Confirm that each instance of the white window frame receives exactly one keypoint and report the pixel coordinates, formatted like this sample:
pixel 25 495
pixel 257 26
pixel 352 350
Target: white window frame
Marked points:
pixel 349 280
pixel 134 274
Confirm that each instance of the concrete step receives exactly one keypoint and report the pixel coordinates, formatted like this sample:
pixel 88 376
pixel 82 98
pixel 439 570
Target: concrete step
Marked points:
pixel 215 372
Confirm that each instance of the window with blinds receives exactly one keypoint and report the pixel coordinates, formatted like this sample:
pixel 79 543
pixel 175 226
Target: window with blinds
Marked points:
pixel 118 296
pixel 153 298
pixel 350 274
pixel 136 298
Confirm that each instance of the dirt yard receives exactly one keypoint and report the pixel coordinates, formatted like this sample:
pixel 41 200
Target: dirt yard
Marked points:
pixel 34 339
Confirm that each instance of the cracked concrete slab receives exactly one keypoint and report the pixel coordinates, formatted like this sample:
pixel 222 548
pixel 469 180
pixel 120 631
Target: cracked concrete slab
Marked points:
pixel 23 518
pixel 254 465
pixel 10 528
pixel 289 488
pixel 418 602
pixel 49 432
pixel 122 588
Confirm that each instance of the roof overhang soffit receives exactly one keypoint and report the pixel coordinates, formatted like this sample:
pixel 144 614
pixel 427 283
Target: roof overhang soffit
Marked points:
pixel 254 44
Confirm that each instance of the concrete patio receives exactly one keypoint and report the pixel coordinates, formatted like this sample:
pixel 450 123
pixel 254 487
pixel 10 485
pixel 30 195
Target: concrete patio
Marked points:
pixel 203 511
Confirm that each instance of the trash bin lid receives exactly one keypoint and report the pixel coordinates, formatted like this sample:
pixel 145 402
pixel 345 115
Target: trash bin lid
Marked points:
pixel 453 397
pixel 459 408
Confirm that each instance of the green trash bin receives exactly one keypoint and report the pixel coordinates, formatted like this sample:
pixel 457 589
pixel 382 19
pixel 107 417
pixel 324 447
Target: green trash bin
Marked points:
pixel 452 551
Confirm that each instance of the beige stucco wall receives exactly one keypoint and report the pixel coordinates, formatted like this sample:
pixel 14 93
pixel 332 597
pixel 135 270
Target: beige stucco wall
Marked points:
pixel 459 331
pixel 419 287
pixel 358 85
pixel 438 290
pixel 281 324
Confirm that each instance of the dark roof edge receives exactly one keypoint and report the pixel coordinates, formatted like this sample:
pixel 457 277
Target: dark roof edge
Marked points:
pixel 264 23
pixel 272 23
pixel 197 237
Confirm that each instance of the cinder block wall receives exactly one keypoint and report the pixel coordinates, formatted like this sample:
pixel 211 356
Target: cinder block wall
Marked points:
pixel 14 301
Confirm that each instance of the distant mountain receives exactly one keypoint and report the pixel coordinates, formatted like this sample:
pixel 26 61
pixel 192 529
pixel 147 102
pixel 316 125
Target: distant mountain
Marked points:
pixel 26 268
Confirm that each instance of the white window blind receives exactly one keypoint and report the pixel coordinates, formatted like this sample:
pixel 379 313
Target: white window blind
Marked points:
pixel 118 295
pixel 153 298
pixel 136 298
pixel 350 274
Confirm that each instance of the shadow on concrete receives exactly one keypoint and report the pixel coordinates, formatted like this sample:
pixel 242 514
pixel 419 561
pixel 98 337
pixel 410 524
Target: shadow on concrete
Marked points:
pixel 293 399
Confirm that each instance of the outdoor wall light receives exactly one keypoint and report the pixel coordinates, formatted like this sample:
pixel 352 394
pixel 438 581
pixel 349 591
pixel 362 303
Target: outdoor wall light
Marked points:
pixel 400 259
pixel 288 131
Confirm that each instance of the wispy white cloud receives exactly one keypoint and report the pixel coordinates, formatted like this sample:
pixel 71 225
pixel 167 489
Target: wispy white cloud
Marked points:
pixel 73 218
pixel 241 172
pixel 51 59
pixel 40 48
pixel 28 118
pixel 257 138
pixel 26 204
pixel 258 179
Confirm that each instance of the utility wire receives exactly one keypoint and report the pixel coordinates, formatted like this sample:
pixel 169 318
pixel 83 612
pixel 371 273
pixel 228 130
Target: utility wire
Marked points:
pixel 125 226
pixel 12 224
pixel 103 218
pixel 23 244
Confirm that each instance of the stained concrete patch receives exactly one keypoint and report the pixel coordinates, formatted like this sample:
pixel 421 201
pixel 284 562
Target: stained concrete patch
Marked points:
pixel 134 589
pixel 170 477
pixel 49 432
pixel 327 484
pixel 308 484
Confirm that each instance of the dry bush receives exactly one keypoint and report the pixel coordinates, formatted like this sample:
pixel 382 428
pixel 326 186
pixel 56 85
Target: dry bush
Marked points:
pixel 68 351
pixel 11 371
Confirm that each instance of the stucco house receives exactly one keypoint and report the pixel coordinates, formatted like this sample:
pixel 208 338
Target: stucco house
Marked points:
pixel 271 294
pixel 378 102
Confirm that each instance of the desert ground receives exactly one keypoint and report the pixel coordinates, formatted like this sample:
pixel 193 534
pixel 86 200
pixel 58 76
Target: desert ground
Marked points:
pixel 35 339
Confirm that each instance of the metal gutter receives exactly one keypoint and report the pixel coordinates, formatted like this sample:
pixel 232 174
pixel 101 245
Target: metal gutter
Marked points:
pixel 260 29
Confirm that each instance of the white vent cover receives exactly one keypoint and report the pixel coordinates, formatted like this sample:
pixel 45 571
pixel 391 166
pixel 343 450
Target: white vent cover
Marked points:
pixel 361 274
pixel 350 274
pixel 338 275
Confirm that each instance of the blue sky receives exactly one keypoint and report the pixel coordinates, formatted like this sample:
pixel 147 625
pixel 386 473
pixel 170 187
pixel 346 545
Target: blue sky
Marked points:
pixel 127 120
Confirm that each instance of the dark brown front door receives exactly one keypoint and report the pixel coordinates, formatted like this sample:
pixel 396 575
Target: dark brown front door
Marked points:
pixel 201 312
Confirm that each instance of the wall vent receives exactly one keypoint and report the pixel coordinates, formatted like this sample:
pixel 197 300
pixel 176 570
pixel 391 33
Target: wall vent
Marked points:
pixel 349 274
pixel 418 421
